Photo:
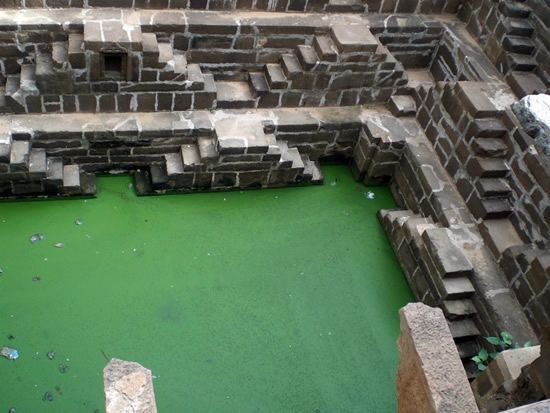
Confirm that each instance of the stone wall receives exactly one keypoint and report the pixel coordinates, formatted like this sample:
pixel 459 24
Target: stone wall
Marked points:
pixel 348 6
pixel 500 175
pixel 515 37
pixel 180 61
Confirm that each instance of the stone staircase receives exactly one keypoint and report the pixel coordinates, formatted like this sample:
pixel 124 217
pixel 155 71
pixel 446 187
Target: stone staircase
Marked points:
pixel 438 273
pixel 518 61
pixel 240 155
pixel 30 172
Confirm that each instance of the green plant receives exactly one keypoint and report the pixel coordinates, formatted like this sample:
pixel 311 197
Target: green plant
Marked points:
pixel 502 342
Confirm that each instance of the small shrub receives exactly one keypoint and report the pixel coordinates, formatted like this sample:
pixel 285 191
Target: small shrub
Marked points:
pixel 503 342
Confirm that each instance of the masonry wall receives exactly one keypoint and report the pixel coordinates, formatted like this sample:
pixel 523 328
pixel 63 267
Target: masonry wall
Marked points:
pixel 515 37
pixel 354 6
pixel 504 181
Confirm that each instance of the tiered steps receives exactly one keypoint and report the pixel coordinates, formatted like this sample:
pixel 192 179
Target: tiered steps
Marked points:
pixel 34 174
pixel 438 273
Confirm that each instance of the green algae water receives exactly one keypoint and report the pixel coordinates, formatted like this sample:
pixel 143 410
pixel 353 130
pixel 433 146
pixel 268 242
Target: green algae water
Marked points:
pixel 279 300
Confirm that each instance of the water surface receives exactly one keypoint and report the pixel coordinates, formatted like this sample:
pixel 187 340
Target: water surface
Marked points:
pixel 279 300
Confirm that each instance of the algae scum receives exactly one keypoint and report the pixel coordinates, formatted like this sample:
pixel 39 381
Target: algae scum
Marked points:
pixel 258 301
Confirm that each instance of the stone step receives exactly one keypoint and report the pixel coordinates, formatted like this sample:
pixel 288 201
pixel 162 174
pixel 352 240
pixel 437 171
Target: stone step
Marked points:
pixel 174 164
pixel 488 167
pixel 71 179
pixel 518 27
pixel 60 55
pixel 191 158
pixel 457 288
pixel 467 349
pixel 518 44
pixel 345 6
pixel 180 64
pixel 493 187
pixel 275 76
pixel 520 62
pixel 3 105
pixel 525 83
pixel 258 83
pixel 312 172
pixel 166 52
pixel 77 55
pixel 195 75
pixel 19 156
pixel 487 128
pixel 449 260
pixel 499 235
pixel 308 57
pixel 489 147
pixel 207 149
pixel 458 309
pixel 54 169
pixel 234 95
pixel 463 329
pixel 325 48
pixel 291 65
pixel 28 78
pixel 402 105
pixel 495 208
pixel 150 46
pixel 353 38
pixel 44 64
pixel 13 84
pixel 514 9
pixel 158 175
pixel 37 163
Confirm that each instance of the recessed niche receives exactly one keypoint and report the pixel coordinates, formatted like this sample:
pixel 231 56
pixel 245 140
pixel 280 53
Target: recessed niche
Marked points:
pixel 113 66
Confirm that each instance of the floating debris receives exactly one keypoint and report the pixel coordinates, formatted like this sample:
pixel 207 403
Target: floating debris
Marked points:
pixel 333 183
pixel 1 271
pixel 50 355
pixel 36 278
pixel 11 337
pixel 370 195
pixel 63 368
pixel 59 245
pixel 48 397
pixel 12 410
pixel 78 221
pixel 35 238
pixel 130 185
pixel 9 353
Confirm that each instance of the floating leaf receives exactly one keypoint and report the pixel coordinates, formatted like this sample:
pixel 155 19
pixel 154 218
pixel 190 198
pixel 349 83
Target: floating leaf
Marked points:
pixel 476 359
pixel 493 355
pixel 481 367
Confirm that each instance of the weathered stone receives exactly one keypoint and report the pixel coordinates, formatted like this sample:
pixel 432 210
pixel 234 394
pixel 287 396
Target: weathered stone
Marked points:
pixel 128 388
pixel 430 377
pixel 533 112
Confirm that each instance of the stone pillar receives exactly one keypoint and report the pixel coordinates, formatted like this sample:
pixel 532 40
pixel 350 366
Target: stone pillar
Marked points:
pixel 430 376
pixel 128 388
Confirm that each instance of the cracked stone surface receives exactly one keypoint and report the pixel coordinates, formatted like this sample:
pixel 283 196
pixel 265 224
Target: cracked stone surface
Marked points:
pixel 128 388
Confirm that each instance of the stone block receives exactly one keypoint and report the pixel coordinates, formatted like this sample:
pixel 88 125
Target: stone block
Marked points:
pixel 430 376
pixel 474 97
pixel 525 83
pixel 447 257
pixel 353 38
pixel 128 388
pixel 402 105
